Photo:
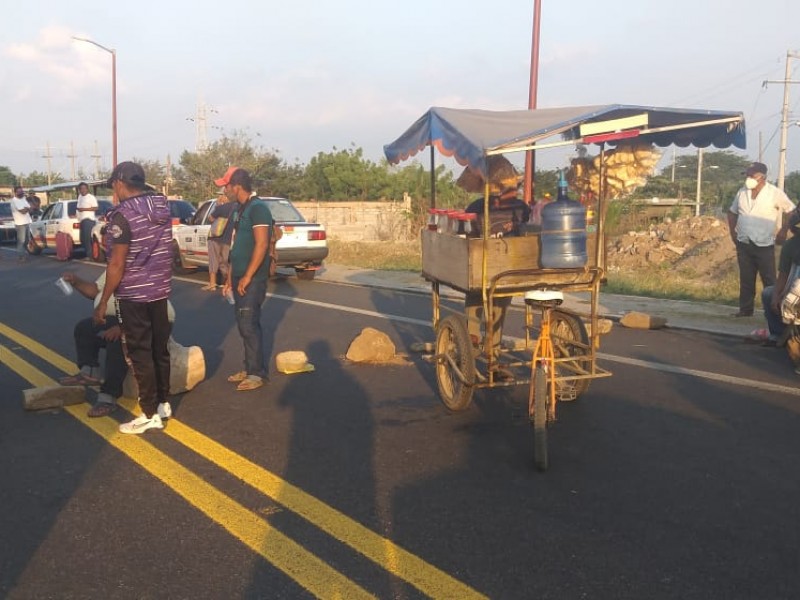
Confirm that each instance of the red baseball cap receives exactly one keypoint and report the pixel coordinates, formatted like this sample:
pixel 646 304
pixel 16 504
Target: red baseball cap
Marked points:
pixel 226 179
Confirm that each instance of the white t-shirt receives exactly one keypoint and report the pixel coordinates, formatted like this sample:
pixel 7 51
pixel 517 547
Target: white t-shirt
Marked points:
pixel 760 218
pixel 87 201
pixel 16 205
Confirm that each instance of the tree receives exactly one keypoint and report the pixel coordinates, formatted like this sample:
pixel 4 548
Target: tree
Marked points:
pixel 7 177
pixel 199 169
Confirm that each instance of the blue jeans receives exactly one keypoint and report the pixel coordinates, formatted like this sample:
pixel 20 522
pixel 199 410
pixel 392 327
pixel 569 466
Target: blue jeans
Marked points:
pixel 86 236
pixel 22 237
pixel 248 319
pixel 775 322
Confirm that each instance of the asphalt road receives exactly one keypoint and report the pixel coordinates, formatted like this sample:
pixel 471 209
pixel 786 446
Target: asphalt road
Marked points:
pixel 675 478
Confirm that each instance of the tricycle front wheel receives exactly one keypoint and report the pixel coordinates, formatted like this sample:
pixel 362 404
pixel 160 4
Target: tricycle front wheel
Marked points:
pixel 455 363
pixel 539 398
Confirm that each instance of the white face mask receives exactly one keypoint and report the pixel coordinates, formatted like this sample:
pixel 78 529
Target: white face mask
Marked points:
pixel 751 183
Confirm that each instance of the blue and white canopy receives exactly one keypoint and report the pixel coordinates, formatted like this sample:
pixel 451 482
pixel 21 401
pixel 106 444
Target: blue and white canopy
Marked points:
pixel 470 136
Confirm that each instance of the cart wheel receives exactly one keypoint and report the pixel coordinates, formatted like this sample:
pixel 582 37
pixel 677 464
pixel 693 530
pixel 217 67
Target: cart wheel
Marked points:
pixel 455 363
pixel 540 396
pixel 566 329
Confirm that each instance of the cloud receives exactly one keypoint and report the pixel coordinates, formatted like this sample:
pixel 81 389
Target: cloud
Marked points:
pixel 55 61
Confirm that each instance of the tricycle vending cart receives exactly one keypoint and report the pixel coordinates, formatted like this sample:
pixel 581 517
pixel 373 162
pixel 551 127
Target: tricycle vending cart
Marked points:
pixel 557 358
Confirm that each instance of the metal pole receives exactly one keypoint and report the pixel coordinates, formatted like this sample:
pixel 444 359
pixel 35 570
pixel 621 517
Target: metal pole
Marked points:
pixel 699 181
pixel 784 117
pixel 113 54
pixel 784 124
pixel 114 106
pixel 433 177
pixel 530 159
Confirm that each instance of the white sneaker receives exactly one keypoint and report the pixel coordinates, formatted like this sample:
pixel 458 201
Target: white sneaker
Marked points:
pixel 141 424
pixel 164 410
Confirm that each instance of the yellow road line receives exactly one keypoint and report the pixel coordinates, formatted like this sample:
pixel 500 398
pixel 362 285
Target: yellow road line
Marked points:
pixel 401 563
pixel 405 565
pixel 305 568
pixel 38 349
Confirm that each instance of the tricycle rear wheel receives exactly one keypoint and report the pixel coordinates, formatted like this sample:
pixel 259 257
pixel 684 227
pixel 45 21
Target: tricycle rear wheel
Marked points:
pixel 566 330
pixel 455 363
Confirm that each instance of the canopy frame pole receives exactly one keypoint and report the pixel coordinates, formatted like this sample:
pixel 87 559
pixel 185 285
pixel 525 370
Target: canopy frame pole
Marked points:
pixel 433 177
pixel 511 148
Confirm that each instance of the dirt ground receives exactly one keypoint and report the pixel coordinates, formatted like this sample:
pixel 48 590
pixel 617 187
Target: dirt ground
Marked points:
pixel 696 248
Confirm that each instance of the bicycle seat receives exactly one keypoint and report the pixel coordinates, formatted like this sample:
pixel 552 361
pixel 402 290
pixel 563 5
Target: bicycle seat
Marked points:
pixel 540 296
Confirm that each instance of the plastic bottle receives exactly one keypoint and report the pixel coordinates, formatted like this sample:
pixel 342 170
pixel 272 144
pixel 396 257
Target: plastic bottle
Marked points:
pixel 563 231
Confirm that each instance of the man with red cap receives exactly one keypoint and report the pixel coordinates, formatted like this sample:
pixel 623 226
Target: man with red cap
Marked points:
pixel 755 216
pixel 248 273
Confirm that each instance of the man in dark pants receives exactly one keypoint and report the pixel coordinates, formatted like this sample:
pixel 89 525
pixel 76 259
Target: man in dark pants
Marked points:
pixel 754 217
pixel 248 273
pixel 138 237
pixel 90 338
pixel 87 213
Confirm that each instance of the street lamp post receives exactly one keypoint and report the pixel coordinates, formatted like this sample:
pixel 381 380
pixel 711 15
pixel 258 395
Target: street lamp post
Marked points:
pixel 113 54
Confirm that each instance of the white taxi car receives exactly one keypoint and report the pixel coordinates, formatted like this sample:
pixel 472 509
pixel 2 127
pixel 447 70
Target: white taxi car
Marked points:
pixel 302 247
pixel 60 215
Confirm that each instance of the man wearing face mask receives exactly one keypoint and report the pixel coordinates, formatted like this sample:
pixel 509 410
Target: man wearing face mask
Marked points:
pixel 755 216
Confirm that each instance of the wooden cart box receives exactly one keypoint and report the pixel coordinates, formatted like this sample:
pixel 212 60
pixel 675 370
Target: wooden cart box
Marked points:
pixel 458 262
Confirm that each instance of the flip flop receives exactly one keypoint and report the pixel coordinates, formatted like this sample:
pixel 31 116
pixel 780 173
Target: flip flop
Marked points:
pixel 80 379
pixel 101 409
pixel 251 383
pixel 237 377
pixel 209 288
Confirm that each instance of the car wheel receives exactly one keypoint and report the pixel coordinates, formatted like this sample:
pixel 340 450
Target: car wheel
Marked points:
pixel 305 274
pixel 178 268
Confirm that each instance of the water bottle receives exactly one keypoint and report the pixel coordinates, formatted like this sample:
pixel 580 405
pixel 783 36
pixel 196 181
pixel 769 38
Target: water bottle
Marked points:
pixel 229 297
pixel 563 231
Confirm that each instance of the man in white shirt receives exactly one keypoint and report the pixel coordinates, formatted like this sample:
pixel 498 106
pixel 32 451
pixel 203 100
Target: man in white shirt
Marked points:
pixel 87 210
pixel 20 211
pixel 755 216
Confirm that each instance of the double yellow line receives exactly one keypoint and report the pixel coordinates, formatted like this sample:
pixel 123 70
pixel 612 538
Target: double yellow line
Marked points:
pixel 302 566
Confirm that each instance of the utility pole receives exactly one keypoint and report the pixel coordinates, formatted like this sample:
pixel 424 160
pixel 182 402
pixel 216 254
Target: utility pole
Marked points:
pixel 530 157
pixel 96 157
pixel 48 156
pixel 784 116
pixel 71 156
pixel 699 181
pixel 760 147
pixel 673 164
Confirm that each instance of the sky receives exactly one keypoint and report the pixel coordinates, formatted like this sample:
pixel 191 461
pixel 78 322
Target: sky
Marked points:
pixel 305 77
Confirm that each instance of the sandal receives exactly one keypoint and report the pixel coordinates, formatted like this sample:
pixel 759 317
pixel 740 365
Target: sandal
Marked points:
pixel 237 377
pixel 250 383
pixel 101 409
pixel 209 288
pixel 80 379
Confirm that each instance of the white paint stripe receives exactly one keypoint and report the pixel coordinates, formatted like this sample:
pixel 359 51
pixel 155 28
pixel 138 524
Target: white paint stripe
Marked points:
pixel 656 366
pixel 752 383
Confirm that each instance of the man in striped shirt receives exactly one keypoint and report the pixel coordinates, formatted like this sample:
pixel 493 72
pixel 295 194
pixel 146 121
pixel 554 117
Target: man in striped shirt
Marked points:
pixel 138 238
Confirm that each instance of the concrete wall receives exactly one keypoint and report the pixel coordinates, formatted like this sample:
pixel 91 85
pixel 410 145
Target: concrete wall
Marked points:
pixel 362 221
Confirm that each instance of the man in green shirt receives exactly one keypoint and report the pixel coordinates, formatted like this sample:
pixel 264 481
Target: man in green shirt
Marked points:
pixel 248 274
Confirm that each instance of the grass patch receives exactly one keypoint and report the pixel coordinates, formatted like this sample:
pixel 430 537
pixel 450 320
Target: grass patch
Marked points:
pixel 677 287
pixel 381 256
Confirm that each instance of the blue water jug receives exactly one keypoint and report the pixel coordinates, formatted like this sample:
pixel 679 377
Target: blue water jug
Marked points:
pixel 563 232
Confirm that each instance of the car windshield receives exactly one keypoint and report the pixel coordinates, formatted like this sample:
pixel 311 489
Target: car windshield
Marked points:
pixel 5 209
pixel 283 211
pixel 181 209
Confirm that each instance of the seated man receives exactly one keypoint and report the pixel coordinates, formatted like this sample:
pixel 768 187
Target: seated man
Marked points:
pixel 772 295
pixel 90 338
pixel 506 213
